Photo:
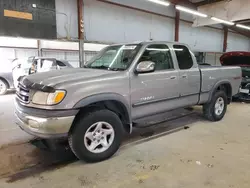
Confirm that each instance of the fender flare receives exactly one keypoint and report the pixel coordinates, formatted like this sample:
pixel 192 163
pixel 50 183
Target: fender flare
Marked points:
pixel 107 97
pixel 213 90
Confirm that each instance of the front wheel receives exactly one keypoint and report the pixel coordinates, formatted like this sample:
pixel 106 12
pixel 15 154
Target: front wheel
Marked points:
pixel 96 136
pixel 215 110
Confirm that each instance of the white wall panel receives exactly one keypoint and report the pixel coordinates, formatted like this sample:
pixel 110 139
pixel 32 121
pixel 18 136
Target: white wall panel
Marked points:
pixel 146 5
pixel 201 39
pixel 7 53
pixel 18 42
pixel 162 28
pixel 53 54
pixel 137 29
pixel 110 23
pixel 25 53
pixel 69 7
pixel 237 42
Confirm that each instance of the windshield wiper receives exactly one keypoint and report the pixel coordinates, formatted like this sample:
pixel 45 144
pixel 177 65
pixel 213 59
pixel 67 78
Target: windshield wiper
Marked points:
pixel 96 67
pixel 116 69
pixel 105 67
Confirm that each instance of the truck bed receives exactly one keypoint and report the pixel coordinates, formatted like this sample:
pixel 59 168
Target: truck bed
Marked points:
pixel 211 75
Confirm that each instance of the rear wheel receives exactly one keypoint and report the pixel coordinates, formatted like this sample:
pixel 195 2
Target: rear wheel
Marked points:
pixel 3 87
pixel 96 136
pixel 215 110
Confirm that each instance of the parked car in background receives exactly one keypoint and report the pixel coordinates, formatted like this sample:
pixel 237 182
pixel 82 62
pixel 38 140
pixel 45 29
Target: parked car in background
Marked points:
pixel 91 107
pixel 6 80
pixel 24 67
pixel 241 59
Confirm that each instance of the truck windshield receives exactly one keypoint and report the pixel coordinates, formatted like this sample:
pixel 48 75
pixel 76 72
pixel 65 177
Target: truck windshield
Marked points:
pixel 114 58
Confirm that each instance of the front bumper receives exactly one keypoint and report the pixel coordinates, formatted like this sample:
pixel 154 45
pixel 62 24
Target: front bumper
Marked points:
pixel 42 126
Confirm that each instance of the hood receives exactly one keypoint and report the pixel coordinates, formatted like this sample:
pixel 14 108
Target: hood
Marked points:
pixel 68 76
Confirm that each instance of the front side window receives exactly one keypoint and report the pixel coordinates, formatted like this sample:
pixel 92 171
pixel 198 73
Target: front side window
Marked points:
pixel 115 58
pixel 184 57
pixel 160 55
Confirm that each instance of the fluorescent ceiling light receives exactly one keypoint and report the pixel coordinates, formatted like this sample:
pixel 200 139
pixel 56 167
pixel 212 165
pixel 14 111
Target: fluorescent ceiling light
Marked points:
pixel 243 26
pixel 191 11
pixel 160 2
pixel 222 21
pixel 34 5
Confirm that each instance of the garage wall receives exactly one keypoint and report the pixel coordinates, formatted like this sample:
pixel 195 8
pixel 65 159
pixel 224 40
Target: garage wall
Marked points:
pixel 237 42
pixel 109 23
pixel 201 38
pixel 66 24
pixel 24 53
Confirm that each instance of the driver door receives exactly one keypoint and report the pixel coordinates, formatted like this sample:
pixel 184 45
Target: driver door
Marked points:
pixel 155 92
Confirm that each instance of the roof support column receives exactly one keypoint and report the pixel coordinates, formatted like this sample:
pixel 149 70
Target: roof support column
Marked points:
pixel 177 25
pixel 225 39
pixel 81 31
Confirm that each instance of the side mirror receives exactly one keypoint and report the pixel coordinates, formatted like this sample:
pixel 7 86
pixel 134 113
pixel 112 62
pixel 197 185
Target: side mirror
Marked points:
pixel 145 67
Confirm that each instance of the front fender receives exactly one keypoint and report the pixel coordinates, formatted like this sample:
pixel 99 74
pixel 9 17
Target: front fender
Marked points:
pixel 105 97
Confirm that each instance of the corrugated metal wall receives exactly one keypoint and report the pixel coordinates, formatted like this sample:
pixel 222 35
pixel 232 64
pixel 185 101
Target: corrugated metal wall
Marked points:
pixel 237 42
pixel 9 54
pixel 111 23
pixel 202 38
pixel 23 53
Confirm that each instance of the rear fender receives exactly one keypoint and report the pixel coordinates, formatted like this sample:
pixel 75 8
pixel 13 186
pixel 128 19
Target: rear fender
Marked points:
pixel 215 87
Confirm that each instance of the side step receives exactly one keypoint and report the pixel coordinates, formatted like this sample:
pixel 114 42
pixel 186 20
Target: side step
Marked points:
pixel 163 117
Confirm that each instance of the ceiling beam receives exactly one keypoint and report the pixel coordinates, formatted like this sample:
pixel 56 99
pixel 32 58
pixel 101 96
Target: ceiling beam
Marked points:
pixel 206 2
pixel 185 3
pixel 240 31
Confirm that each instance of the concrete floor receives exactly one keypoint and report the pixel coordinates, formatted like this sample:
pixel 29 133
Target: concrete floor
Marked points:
pixel 9 131
pixel 205 155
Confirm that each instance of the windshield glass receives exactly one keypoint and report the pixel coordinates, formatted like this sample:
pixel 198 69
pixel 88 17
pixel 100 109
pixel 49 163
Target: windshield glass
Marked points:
pixel 116 58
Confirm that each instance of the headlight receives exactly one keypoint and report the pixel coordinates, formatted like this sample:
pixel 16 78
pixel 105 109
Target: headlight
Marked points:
pixel 44 98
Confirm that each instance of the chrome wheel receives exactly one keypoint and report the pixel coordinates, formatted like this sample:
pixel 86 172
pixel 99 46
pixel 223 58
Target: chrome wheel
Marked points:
pixel 99 137
pixel 3 87
pixel 219 106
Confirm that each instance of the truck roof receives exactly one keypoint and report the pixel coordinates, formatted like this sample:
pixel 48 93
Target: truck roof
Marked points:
pixel 149 42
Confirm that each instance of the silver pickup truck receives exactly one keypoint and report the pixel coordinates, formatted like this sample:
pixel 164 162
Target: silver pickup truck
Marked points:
pixel 92 107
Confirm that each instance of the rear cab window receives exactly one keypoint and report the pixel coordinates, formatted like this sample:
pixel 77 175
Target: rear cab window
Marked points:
pixel 184 57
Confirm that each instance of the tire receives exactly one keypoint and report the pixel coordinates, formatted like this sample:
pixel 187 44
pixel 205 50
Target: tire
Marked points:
pixel 3 87
pixel 84 125
pixel 209 109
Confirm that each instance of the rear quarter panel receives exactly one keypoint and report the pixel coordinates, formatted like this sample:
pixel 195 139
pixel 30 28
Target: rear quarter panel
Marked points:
pixel 212 75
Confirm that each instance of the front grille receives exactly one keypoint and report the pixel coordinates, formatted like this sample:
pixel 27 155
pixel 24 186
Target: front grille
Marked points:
pixel 23 93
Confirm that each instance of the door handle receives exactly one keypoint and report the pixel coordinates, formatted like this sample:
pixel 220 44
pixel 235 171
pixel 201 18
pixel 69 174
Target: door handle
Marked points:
pixel 184 76
pixel 173 77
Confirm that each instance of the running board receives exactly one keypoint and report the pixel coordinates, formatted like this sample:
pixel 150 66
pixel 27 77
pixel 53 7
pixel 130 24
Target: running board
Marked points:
pixel 163 117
